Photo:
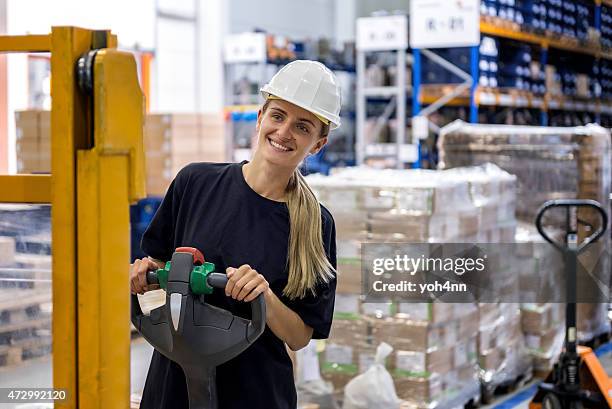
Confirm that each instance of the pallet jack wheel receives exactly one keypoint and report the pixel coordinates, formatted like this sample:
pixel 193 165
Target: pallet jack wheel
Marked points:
pixel 487 394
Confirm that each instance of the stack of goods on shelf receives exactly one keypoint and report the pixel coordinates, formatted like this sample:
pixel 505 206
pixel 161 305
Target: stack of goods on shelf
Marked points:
pixel 606 27
pixel 25 292
pixel 172 141
pixel 510 66
pixel 567 78
pixel 507 13
pixel 515 68
pixel 282 49
pixel 489 62
pixel 33 141
pixel 605 75
pixel 434 363
pixel 550 163
pixel 535 17
pixel 555 18
pixel 381 71
pixel 568 19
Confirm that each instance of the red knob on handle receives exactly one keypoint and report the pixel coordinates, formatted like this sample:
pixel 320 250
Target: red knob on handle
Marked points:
pixel 198 257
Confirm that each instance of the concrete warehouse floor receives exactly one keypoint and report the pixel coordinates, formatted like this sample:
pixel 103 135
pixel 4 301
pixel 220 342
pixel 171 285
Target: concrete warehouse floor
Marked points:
pixel 37 373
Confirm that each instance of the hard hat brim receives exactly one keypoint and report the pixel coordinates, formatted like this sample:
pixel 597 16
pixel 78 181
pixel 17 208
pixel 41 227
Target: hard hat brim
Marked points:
pixel 267 91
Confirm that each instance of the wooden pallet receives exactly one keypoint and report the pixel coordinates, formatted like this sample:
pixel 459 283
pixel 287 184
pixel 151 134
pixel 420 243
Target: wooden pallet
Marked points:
pixel 16 354
pixel 11 299
pixel 30 272
pixel 23 307
pixel 25 320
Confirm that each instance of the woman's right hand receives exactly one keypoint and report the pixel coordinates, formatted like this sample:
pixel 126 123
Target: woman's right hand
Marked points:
pixel 138 275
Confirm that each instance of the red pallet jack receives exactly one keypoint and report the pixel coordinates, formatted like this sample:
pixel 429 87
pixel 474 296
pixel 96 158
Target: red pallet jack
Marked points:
pixel 578 380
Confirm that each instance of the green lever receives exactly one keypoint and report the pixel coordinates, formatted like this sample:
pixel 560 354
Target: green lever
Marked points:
pixel 197 280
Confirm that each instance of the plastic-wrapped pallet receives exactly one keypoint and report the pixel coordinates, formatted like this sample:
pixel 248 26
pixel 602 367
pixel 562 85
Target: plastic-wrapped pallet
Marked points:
pixel 25 293
pixel 435 358
pixel 417 205
pixel 349 349
pixel 543 324
pixel 502 355
pixel 550 163
pixel 434 363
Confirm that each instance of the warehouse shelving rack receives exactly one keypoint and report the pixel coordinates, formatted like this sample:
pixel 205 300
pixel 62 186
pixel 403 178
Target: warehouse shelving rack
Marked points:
pixel 422 95
pixel 397 101
pixel 244 112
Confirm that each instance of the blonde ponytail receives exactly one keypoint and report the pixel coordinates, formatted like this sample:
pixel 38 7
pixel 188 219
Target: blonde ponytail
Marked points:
pixel 307 262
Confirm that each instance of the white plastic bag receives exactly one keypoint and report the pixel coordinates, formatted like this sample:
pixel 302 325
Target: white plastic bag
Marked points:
pixel 374 388
pixel 311 388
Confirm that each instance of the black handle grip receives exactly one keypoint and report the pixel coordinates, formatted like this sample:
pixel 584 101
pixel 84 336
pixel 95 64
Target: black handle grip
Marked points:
pixel 258 307
pixel 568 203
pixel 217 280
pixel 152 277
pixel 258 318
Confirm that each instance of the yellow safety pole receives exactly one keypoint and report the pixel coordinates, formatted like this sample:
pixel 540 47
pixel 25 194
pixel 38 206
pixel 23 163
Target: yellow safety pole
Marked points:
pixel 68 132
pixel 110 176
pixel 90 188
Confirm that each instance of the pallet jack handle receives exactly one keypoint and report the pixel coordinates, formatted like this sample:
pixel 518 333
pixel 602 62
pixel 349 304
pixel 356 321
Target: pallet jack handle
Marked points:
pixel 571 205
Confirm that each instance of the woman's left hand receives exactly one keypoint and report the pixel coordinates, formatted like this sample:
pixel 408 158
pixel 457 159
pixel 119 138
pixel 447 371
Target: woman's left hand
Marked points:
pixel 245 283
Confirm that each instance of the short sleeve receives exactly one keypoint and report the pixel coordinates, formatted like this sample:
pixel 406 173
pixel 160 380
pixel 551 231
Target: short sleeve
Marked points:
pixel 159 237
pixel 317 310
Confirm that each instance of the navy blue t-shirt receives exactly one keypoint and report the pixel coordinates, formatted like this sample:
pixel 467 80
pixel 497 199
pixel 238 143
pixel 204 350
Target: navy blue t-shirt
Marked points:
pixel 212 208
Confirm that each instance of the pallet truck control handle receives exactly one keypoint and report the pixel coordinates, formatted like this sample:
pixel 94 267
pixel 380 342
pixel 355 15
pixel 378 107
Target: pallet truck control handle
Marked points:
pixel 568 204
pixel 219 280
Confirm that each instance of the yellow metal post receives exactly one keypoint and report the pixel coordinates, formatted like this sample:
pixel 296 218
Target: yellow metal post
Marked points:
pixel 68 132
pixel 109 176
pixel 90 189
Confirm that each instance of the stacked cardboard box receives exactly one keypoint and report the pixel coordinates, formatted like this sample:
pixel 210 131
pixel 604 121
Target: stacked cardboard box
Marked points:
pixel 542 322
pixel 550 163
pixel 502 355
pixel 418 206
pixel 172 141
pixel 33 141
pixel 350 348
pixel 434 358
pixel 434 363
pixel 544 328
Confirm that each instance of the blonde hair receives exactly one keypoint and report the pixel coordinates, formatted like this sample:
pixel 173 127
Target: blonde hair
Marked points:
pixel 307 261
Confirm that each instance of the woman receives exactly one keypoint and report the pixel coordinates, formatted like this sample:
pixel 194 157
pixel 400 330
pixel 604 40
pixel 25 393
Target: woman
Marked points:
pixel 260 223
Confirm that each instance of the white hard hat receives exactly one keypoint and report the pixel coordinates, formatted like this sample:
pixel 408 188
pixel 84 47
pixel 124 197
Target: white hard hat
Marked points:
pixel 309 85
